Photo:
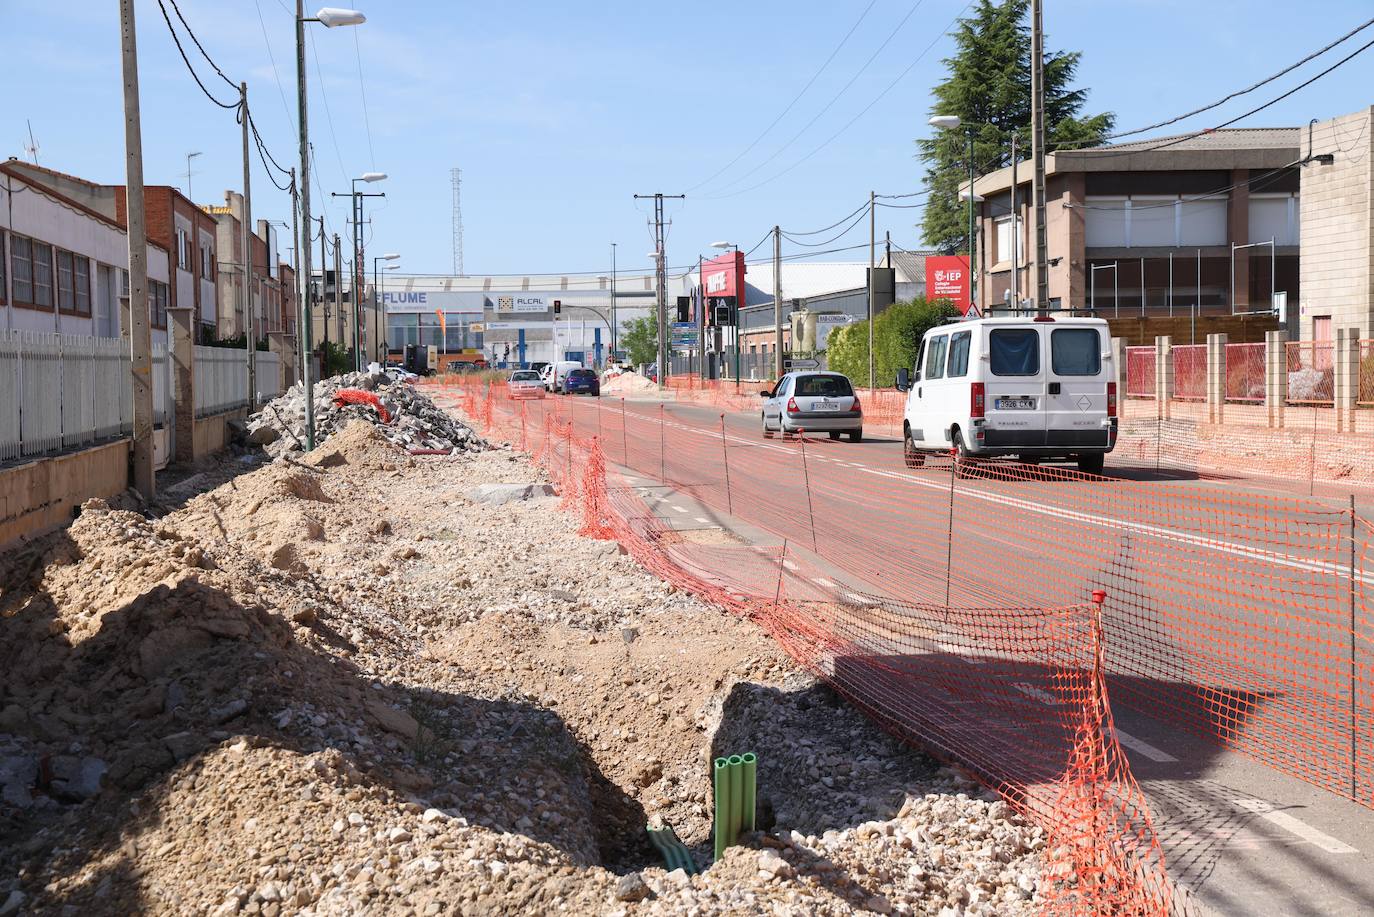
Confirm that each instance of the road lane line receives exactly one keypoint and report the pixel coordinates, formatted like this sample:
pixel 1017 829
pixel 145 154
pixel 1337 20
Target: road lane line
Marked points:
pixel 790 565
pixel 1039 694
pixel 1142 747
pixel 678 508
pixel 859 599
pixel 825 583
pixel 1265 810
pixel 703 520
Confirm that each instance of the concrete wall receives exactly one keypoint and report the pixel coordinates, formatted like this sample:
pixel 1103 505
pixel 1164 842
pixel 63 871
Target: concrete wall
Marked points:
pixel 1336 275
pixel 213 434
pixel 40 495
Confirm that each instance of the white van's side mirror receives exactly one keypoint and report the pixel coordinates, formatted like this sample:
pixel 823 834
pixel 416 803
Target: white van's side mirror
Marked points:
pixel 903 380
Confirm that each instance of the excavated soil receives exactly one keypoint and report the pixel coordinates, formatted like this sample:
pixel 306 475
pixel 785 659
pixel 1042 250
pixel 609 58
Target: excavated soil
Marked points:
pixel 336 685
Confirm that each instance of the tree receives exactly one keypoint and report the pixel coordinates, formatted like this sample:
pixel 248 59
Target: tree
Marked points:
pixel 639 337
pixel 989 88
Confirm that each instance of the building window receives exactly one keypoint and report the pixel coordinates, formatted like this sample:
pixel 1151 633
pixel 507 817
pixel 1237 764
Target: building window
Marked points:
pixel 207 261
pixel 42 275
pixel 157 301
pixel 82 280
pixel 66 290
pixel 3 262
pixel 21 254
pixel 1004 240
pixel 183 251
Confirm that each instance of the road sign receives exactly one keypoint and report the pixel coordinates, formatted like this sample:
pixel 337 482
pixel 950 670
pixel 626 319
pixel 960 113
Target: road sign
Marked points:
pixel 476 327
pixel 808 363
pixel 683 334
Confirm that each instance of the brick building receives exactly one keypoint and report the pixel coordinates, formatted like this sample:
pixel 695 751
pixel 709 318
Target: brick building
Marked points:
pixel 1337 271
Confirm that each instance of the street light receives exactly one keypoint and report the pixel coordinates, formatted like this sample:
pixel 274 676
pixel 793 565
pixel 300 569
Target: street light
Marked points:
pixel 329 17
pixel 360 264
pixel 379 315
pixel 952 123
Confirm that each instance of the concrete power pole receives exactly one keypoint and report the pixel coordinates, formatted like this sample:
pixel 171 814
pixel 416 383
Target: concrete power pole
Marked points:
pixel 661 271
pixel 301 99
pixel 338 292
pixel 249 328
pixel 777 302
pixel 1042 263
pixel 140 334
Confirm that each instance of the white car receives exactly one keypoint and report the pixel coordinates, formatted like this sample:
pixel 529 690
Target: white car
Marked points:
pixel 1038 388
pixel 817 402
pixel 525 383
pixel 553 374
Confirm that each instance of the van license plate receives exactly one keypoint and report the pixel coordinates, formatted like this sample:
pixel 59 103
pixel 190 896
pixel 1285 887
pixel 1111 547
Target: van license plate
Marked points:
pixel 1015 404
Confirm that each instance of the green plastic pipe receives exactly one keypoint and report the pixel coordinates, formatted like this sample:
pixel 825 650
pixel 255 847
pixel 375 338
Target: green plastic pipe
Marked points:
pixel 735 771
pixel 749 768
pixel 721 782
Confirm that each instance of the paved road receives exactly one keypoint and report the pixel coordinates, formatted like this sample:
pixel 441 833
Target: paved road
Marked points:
pixel 1244 592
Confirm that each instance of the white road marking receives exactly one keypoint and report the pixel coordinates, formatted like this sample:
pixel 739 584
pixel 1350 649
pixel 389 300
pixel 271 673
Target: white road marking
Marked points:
pixel 703 520
pixel 1039 694
pixel 825 583
pixel 679 509
pixel 859 599
pixel 790 565
pixel 1265 810
pixel 1142 747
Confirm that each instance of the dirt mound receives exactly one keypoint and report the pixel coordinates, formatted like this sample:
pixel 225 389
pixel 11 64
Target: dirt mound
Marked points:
pixel 630 383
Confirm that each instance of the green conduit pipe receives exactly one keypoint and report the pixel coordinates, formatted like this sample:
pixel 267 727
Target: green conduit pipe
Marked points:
pixel 675 853
pixel 723 838
pixel 749 769
pixel 735 780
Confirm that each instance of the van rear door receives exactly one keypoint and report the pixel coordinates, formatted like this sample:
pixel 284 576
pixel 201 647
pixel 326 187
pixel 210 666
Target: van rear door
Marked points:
pixel 1014 387
pixel 1076 389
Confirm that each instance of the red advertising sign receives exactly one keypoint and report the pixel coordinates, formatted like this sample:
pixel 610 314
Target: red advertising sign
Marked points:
pixel 724 276
pixel 947 277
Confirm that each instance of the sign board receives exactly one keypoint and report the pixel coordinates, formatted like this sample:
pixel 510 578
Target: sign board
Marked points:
pixel 790 364
pixel 517 303
pixel 683 334
pixel 826 323
pixel 1281 306
pixel 948 277
pixel 476 327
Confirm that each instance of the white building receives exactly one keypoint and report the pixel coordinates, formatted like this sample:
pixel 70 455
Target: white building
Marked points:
pixel 63 265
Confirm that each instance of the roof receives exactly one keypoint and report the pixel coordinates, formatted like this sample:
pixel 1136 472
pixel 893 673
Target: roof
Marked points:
pixel 1223 149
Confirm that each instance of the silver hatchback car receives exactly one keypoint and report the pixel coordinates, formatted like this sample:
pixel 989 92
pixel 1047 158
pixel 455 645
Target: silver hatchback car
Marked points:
pixel 817 402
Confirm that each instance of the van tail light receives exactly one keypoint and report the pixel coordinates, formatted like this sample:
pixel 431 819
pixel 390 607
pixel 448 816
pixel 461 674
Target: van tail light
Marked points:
pixel 977 403
pixel 1111 399
pixel 857 408
pixel 792 406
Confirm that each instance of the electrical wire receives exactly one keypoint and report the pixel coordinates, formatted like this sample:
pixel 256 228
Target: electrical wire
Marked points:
pixel 276 77
pixel 199 46
pixel 890 86
pixel 328 113
pixel 187 61
pixel 863 212
pixel 362 89
pixel 835 98
pixel 817 232
pixel 790 105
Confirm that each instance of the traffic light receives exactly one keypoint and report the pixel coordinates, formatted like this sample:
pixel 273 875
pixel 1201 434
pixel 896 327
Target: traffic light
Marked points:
pixel 557 306
pixel 684 308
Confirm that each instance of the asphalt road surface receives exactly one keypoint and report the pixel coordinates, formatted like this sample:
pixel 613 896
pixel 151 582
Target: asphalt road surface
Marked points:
pixel 1228 611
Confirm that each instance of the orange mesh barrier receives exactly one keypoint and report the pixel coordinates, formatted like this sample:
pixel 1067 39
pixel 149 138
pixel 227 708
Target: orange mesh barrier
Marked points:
pixel 357 396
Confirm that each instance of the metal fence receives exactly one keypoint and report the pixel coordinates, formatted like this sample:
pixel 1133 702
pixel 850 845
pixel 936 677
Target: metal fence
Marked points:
pixel 69 391
pixel 1245 373
pixel 1190 372
pixel 1140 372
pixel 1311 372
pixel 222 378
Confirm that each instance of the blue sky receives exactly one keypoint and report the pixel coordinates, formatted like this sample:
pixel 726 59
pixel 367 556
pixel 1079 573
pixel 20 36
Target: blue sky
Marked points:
pixel 559 112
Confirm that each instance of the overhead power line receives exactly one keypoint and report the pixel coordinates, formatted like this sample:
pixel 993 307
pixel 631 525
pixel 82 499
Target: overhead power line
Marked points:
pixel 790 104
pixel 858 218
pixel 187 61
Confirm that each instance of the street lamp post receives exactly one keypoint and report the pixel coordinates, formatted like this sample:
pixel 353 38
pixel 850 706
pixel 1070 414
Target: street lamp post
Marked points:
pixel 949 123
pixel 330 18
pixel 358 262
pixel 379 315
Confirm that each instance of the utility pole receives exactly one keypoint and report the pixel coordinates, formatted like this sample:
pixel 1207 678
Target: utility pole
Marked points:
pixel 324 303
pixel 296 257
pixel 1015 232
pixel 614 326
pixel 301 98
pixel 777 302
pixel 338 291
pixel 140 334
pixel 250 331
pixel 872 264
pixel 1042 280
pixel 661 270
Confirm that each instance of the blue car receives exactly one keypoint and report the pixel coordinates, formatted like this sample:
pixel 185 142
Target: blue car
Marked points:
pixel 581 381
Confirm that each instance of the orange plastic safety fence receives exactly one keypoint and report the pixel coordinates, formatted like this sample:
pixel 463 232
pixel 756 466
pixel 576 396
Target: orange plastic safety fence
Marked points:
pixel 357 396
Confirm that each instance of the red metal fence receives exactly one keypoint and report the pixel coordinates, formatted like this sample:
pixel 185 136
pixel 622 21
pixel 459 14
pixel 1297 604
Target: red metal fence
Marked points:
pixel 1245 373
pixel 1140 372
pixel 1190 372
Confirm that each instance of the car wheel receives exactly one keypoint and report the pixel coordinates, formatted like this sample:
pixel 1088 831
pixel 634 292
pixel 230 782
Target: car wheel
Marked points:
pixel 834 434
pixel 1091 462
pixel 767 433
pixel 912 456
pixel 964 466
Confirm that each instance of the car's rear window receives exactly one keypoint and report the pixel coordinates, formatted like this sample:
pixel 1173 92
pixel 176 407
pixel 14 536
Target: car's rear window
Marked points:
pixel 1014 352
pixel 1075 352
pixel 581 374
pixel 526 375
pixel 827 386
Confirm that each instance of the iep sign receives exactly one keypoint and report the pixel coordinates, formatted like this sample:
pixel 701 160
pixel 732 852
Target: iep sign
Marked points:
pixel 947 277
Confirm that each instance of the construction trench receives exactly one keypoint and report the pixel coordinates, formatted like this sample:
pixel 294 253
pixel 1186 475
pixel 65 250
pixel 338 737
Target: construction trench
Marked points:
pixel 358 680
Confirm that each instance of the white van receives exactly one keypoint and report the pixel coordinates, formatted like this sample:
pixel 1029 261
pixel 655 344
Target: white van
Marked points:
pixel 553 374
pixel 1038 388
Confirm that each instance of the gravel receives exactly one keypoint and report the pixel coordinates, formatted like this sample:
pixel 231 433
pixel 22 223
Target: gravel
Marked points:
pixel 336 685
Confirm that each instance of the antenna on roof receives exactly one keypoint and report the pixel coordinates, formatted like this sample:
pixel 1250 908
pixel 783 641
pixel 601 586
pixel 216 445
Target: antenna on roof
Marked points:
pixel 32 148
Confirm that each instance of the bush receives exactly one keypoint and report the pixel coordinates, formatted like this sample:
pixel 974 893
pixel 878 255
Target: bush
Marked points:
pixel 897 334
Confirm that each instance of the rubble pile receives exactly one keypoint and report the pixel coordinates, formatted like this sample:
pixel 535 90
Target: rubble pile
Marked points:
pixel 415 421
pixel 345 684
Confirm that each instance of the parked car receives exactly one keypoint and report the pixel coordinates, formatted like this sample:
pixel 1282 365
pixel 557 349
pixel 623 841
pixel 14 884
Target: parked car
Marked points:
pixel 401 374
pixel 580 381
pixel 1038 388
pixel 525 383
pixel 817 402
pixel 553 374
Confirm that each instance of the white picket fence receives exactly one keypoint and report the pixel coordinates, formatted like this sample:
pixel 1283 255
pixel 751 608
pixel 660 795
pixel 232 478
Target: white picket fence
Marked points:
pixel 64 391
pixel 222 379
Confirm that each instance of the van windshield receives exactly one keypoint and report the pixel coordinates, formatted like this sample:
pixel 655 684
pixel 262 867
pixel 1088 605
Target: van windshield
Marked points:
pixel 1014 352
pixel 1075 352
